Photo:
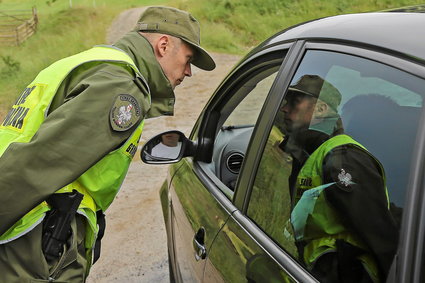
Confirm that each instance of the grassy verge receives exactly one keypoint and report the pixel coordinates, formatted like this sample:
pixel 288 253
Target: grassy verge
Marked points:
pixel 236 26
pixel 62 31
pixel 60 37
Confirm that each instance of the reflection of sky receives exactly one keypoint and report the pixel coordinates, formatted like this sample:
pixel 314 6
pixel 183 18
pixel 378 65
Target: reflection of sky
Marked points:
pixel 355 76
pixel 350 84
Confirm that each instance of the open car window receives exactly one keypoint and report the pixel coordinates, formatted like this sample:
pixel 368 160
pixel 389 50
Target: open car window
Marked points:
pixel 234 135
pixel 239 112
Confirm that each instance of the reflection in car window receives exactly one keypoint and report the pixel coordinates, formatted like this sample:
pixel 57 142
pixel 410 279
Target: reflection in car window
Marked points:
pixel 332 179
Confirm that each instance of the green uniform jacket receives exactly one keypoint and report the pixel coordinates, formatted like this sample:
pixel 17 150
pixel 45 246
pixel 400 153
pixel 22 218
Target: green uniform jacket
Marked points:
pixel 77 131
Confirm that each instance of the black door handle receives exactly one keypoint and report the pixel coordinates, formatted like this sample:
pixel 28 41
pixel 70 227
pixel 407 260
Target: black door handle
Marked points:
pixel 199 244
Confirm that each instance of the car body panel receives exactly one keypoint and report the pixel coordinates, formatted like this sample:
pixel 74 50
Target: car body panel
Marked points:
pixel 192 207
pixel 236 257
pixel 404 28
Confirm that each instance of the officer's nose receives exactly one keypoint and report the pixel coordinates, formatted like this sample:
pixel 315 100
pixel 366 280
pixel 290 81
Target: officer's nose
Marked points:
pixel 284 108
pixel 188 70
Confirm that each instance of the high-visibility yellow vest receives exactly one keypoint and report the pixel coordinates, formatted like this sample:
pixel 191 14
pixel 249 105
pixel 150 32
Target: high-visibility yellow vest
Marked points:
pixel 100 183
pixel 315 222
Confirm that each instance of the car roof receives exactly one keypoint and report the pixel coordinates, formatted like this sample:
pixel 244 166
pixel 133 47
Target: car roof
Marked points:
pixel 398 31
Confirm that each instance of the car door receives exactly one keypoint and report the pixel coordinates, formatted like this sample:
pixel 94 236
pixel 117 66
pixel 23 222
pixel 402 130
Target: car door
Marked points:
pixel 202 191
pixel 381 107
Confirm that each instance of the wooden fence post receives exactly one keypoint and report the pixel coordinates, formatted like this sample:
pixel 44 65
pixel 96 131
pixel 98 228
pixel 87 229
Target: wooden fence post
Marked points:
pixel 17 36
pixel 35 17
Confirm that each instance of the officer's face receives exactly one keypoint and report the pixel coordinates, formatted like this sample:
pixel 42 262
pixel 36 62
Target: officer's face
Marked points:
pixel 170 139
pixel 298 110
pixel 176 63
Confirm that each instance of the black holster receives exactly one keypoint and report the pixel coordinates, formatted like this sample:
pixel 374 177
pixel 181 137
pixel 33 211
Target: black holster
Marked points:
pixel 101 223
pixel 57 224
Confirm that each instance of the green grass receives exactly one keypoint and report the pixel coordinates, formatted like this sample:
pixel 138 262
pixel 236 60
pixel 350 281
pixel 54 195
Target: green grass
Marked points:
pixel 60 37
pixel 236 26
pixel 231 26
pixel 62 31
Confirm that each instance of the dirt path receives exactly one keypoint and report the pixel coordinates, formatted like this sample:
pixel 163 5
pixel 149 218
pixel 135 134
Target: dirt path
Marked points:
pixel 134 248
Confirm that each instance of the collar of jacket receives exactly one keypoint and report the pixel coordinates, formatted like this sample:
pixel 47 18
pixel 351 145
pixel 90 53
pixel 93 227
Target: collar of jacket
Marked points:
pixel 141 51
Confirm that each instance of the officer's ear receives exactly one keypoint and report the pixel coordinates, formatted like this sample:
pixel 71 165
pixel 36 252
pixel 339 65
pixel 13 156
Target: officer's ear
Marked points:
pixel 321 109
pixel 163 45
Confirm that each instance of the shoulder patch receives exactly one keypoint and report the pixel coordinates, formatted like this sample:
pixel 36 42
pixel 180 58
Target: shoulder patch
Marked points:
pixel 125 112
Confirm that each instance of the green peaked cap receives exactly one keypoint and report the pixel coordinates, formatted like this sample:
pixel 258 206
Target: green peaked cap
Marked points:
pixel 180 24
pixel 315 86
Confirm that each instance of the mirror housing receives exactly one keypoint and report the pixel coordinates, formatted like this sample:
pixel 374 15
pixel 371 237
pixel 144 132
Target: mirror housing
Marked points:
pixel 166 148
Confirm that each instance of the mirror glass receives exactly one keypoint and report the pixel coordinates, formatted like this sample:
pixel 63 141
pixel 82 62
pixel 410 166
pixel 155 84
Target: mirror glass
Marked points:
pixel 163 147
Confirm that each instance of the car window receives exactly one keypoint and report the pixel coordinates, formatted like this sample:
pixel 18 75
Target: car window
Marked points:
pixel 238 116
pixel 332 180
pixel 247 111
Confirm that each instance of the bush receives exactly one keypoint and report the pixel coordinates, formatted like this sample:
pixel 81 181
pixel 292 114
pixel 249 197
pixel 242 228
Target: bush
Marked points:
pixel 11 66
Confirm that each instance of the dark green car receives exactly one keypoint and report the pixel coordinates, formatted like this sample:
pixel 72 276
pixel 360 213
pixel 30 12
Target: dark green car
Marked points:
pixel 233 207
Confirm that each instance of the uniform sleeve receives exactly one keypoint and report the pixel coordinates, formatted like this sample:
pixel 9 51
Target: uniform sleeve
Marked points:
pixel 362 205
pixel 73 137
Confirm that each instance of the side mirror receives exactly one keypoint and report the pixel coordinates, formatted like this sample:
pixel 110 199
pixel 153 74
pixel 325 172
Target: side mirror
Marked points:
pixel 166 148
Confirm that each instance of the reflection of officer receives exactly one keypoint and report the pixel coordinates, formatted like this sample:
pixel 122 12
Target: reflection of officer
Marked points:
pixel 340 215
pixel 73 131
pixel 169 147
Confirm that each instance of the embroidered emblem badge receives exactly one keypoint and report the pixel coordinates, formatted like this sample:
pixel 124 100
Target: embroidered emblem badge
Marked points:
pixel 344 178
pixel 125 112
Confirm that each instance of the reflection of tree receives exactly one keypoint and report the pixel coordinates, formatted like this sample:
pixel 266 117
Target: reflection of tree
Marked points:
pixel 411 9
pixel 234 253
pixel 241 247
pixel 261 268
pixel 270 202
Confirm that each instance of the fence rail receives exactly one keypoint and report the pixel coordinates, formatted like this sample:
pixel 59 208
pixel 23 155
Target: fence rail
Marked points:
pixel 17 25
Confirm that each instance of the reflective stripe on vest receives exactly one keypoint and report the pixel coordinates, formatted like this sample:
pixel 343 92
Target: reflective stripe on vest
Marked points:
pixel 313 219
pixel 101 182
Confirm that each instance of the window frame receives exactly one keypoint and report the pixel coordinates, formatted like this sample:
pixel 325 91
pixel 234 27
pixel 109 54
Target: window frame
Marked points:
pixel 206 127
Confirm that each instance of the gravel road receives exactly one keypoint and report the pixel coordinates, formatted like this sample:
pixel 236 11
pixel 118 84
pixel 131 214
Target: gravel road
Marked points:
pixel 134 248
